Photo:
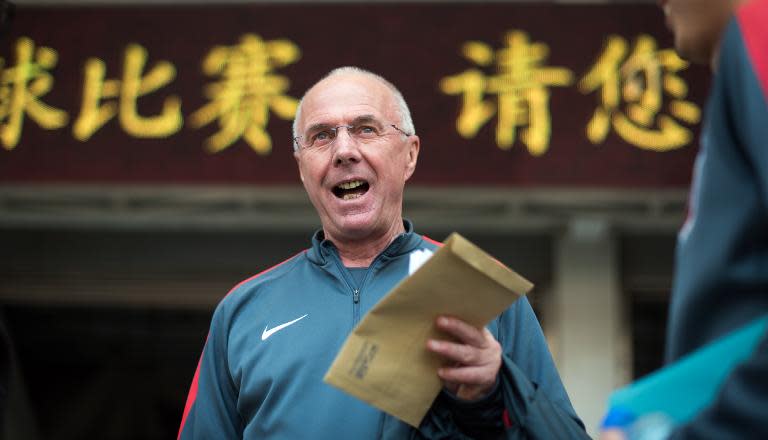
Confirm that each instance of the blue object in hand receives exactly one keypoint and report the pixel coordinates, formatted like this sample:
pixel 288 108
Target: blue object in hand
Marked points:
pixel 682 389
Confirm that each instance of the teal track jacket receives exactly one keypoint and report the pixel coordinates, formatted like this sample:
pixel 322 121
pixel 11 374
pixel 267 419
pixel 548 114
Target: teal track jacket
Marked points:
pixel 273 337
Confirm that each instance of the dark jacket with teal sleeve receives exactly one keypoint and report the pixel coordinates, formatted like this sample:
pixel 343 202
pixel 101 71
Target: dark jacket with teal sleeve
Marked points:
pixel 273 337
pixel 721 280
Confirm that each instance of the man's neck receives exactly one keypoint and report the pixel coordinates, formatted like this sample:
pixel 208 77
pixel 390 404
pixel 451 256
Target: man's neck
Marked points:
pixel 715 58
pixel 361 253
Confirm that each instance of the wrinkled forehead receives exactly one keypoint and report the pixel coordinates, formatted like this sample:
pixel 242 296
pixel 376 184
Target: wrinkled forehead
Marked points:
pixel 341 99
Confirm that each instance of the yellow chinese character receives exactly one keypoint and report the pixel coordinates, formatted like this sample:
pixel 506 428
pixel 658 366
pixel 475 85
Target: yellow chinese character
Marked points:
pixel 20 88
pixel 640 80
pixel 93 114
pixel 247 91
pixel 521 84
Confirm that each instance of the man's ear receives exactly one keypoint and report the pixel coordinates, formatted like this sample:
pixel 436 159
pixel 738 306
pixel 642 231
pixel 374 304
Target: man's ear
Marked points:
pixel 298 163
pixel 413 155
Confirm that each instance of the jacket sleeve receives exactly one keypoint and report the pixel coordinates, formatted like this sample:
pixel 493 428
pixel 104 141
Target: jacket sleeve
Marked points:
pixel 211 411
pixel 535 404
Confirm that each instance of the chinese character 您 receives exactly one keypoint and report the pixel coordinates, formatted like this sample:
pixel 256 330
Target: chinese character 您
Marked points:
pixel 521 85
pixel 639 80
pixel 94 114
pixel 248 89
pixel 20 88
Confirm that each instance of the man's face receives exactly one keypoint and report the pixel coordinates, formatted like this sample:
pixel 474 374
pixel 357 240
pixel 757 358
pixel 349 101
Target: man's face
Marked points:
pixel 697 25
pixel 356 187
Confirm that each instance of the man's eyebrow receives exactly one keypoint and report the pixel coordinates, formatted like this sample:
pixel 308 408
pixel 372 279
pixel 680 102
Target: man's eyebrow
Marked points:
pixel 318 127
pixel 362 119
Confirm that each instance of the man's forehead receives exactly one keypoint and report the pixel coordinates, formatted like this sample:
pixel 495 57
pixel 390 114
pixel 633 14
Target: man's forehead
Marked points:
pixel 347 96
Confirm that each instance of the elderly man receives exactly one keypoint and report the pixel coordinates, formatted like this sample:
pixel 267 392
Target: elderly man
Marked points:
pixel 274 336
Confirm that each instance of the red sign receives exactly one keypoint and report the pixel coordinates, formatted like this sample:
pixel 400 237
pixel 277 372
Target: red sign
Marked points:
pixel 501 94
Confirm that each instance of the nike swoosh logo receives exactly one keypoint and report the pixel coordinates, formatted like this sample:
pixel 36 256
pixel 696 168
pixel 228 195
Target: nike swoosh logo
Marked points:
pixel 267 333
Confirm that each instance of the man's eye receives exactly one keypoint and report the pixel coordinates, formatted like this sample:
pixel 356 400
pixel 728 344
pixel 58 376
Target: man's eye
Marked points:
pixel 321 136
pixel 366 130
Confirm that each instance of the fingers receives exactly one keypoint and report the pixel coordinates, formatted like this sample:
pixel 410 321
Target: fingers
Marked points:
pixel 455 352
pixel 474 347
pixel 477 376
pixel 472 360
pixel 462 331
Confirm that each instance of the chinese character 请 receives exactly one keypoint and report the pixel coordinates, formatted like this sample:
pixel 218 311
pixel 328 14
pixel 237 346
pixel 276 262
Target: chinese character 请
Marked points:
pixel 246 92
pixel 521 85
pixel 639 80
pixel 93 114
pixel 20 88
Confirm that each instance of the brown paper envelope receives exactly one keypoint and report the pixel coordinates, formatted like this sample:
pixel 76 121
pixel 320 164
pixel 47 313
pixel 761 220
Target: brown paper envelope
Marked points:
pixel 384 361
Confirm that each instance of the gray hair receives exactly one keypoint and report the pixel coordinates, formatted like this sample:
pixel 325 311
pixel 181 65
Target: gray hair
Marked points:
pixel 406 122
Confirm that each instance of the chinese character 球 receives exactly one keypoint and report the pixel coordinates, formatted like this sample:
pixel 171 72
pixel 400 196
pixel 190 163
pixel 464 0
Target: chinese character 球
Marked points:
pixel 20 88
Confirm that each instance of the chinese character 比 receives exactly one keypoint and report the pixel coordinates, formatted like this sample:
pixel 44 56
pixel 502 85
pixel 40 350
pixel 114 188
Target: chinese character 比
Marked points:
pixel 94 114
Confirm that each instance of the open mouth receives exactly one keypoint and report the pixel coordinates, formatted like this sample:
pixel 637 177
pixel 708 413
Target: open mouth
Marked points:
pixel 350 190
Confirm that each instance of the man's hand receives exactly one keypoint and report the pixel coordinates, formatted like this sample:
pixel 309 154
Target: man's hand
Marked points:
pixel 612 434
pixel 475 358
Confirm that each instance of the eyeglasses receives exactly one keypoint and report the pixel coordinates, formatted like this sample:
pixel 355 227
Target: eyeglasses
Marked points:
pixel 362 132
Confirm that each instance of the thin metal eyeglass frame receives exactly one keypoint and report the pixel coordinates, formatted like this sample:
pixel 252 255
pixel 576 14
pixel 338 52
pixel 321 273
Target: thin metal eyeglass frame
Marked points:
pixel 336 129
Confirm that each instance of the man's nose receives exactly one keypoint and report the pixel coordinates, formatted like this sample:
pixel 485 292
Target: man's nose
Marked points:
pixel 345 147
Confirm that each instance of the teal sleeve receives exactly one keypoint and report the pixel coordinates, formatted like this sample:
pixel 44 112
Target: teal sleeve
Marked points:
pixel 211 411
pixel 535 399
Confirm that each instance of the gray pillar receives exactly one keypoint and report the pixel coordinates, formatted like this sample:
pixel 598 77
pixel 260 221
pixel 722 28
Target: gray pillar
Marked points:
pixel 587 332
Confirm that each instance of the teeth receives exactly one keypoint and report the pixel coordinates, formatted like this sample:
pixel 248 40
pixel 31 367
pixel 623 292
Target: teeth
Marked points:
pixel 351 196
pixel 351 185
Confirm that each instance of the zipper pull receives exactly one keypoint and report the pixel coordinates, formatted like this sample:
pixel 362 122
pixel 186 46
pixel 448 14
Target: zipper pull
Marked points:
pixel 356 296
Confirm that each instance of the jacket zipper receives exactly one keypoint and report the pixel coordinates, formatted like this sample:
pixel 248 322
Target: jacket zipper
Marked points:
pixel 355 291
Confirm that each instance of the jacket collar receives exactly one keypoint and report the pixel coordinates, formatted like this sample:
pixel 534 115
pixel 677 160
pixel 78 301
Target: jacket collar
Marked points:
pixel 404 243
